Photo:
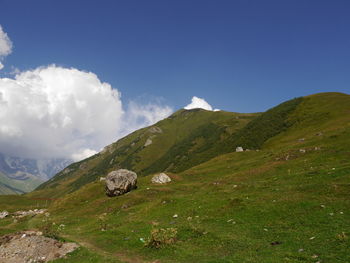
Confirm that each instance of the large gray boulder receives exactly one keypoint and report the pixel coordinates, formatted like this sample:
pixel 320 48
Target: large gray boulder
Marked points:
pixel 120 182
pixel 161 178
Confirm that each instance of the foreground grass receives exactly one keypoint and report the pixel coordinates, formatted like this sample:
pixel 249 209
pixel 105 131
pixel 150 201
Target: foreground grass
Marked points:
pixel 240 207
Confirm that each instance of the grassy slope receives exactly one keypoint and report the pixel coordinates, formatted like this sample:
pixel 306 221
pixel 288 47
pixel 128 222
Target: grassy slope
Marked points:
pixel 186 139
pixel 13 186
pixel 234 207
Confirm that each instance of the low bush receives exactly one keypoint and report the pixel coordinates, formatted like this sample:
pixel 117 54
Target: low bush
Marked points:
pixel 161 237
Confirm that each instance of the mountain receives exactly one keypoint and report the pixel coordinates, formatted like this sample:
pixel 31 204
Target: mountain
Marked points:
pixel 174 144
pixel 190 137
pixel 284 199
pixel 20 175
pixel 10 185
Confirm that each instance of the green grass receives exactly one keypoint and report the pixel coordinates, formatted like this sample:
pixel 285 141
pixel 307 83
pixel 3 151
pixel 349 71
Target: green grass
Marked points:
pixel 278 204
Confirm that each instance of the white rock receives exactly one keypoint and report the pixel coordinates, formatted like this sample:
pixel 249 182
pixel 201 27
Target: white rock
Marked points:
pixel 148 142
pixel 4 214
pixel 239 149
pixel 161 178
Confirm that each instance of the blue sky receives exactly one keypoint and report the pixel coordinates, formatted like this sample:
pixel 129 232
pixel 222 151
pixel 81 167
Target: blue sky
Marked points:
pixel 242 56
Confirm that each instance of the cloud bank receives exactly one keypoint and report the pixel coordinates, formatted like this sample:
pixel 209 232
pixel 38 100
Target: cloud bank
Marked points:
pixel 5 46
pixel 199 103
pixel 55 112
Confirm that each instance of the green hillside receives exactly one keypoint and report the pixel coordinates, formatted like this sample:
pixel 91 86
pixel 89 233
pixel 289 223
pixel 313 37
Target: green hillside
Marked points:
pixel 183 140
pixel 285 200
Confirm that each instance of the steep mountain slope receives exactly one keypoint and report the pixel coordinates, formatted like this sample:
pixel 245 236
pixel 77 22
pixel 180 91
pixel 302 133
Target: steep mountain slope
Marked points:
pixel 7 186
pixel 287 202
pixel 18 186
pixel 20 175
pixel 183 140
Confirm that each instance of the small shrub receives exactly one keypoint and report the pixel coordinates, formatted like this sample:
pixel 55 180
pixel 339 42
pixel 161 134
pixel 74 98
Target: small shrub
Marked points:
pixel 342 237
pixel 50 229
pixel 161 237
pixel 102 221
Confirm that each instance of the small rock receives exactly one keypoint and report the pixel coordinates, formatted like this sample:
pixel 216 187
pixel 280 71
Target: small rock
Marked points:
pixel 4 214
pixel 155 129
pixel 125 206
pixel 302 150
pixel 148 142
pixel 161 178
pixel 83 166
pixel 239 149
pixel 175 216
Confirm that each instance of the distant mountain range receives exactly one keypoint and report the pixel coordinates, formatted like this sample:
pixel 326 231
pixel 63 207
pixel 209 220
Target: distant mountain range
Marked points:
pixel 20 175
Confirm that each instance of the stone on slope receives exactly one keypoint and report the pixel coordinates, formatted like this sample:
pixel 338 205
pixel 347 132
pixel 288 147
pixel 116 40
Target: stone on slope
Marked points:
pixel 161 178
pixel 148 142
pixel 155 129
pixel 4 214
pixel 120 182
pixel 239 149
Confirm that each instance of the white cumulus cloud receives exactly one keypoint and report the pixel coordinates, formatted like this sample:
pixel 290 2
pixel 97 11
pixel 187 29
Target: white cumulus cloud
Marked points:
pixel 5 46
pixel 199 103
pixel 139 115
pixel 55 112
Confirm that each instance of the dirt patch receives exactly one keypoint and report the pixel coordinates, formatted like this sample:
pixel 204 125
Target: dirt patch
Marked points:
pixel 32 246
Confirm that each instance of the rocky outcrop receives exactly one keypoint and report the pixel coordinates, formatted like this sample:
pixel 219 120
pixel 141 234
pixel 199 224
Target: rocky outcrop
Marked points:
pixel 120 182
pixel 32 246
pixel 148 142
pixel 155 129
pixel 108 149
pixel 161 178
